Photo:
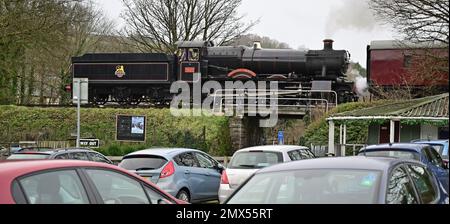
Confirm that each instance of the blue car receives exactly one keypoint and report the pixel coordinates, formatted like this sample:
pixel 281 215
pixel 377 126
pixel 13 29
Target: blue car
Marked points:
pixel 420 152
pixel 344 180
pixel 187 174
pixel 440 145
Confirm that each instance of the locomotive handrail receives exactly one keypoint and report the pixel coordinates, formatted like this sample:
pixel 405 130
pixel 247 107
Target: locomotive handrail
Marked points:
pixel 299 99
pixel 276 93
pixel 272 98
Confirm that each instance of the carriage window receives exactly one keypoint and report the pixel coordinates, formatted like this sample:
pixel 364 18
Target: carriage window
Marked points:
pixel 407 61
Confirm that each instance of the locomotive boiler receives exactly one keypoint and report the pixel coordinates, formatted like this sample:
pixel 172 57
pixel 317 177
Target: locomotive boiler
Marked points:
pixel 135 78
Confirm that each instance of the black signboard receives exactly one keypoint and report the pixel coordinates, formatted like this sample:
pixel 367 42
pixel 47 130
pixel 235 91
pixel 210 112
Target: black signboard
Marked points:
pixel 90 143
pixel 131 128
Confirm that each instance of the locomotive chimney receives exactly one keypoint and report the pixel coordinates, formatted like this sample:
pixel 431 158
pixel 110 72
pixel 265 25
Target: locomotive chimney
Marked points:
pixel 328 44
pixel 257 45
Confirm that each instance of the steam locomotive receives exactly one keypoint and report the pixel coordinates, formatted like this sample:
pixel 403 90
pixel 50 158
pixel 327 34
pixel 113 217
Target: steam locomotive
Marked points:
pixel 130 79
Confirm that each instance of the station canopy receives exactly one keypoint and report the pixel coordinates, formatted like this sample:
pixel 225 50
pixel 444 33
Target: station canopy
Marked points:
pixel 433 108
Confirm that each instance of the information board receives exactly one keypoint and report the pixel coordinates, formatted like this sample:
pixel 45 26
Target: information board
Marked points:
pixel 131 128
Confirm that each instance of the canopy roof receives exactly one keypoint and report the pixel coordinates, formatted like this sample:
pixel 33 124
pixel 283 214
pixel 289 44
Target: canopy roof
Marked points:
pixel 428 108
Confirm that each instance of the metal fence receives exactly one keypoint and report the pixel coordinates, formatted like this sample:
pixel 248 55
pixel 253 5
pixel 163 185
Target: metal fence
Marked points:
pixel 340 149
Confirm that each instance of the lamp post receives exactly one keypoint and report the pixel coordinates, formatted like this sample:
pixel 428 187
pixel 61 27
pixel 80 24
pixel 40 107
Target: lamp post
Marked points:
pixel 77 98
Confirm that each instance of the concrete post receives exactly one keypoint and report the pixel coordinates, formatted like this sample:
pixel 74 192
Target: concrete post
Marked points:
pixel 78 115
pixel 344 141
pixel 392 132
pixel 331 137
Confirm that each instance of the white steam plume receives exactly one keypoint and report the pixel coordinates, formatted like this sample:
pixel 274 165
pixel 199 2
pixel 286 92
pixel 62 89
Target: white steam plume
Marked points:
pixel 352 14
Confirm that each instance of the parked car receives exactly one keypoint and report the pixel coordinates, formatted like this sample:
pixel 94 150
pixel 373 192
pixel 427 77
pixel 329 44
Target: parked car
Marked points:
pixel 14 147
pixel 420 152
pixel 247 161
pixel 69 153
pixel 343 180
pixel 189 175
pixel 4 152
pixel 34 149
pixel 440 145
pixel 75 182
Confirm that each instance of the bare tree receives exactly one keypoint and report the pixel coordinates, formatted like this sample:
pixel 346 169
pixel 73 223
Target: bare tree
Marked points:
pixel 156 25
pixel 425 26
pixel 37 41
pixel 419 20
pixel 266 42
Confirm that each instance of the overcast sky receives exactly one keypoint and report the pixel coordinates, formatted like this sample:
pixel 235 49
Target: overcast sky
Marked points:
pixel 304 23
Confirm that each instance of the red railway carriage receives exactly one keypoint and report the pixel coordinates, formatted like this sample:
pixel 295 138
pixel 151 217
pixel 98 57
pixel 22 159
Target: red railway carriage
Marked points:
pixel 396 64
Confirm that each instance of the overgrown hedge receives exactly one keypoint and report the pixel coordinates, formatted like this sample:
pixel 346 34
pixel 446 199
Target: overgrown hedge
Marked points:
pixel 317 132
pixel 163 129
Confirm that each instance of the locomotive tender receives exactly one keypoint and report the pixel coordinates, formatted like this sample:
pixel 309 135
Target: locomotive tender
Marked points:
pixel 146 77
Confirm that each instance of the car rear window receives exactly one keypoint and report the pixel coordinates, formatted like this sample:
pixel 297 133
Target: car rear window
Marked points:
pixel 321 186
pixel 255 159
pixel 441 150
pixel 402 154
pixel 28 156
pixel 143 162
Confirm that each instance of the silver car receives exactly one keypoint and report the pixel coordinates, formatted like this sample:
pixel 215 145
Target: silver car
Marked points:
pixel 246 162
pixel 187 174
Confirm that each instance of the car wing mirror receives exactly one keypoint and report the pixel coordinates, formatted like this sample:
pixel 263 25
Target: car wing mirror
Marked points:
pixel 220 168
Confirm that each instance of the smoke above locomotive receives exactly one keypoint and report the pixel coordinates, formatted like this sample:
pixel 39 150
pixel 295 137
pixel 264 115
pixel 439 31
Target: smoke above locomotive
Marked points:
pixel 147 77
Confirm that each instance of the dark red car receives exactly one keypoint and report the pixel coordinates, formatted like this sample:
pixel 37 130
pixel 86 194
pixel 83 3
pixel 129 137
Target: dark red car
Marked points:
pixel 75 182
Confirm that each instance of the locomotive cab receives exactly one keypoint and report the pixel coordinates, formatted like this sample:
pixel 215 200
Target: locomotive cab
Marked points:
pixel 190 54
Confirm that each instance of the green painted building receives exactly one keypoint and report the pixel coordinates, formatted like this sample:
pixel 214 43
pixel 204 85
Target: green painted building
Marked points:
pixel 402 121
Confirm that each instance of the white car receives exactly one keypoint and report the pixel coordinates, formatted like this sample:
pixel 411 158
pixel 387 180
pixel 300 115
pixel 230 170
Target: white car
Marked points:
pixel 246 162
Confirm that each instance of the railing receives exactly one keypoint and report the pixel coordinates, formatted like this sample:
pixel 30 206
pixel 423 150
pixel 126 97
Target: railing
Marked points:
pixel 222 98
pixel 340 149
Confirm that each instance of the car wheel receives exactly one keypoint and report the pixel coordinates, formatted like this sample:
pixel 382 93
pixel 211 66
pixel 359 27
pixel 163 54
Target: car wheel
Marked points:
pixel 184 196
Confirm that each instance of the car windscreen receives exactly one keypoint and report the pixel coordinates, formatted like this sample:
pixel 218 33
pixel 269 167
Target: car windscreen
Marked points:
pixel 396 153
pixel 255 159
pixel 143 162
pixel 28 156
pixel 321 186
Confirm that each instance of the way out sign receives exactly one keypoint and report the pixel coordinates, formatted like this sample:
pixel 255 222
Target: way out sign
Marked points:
pixel 90 143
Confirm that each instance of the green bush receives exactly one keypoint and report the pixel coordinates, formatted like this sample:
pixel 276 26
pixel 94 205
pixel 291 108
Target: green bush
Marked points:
pixel 210 134
pixel 317 132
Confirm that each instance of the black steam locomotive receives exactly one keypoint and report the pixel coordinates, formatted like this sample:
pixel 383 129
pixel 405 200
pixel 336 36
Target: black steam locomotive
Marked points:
pixel 130 79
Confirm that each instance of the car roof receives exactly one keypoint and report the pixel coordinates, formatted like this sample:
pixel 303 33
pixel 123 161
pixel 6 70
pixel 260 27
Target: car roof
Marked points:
pixel 15 169
pixel 354 162
pixel 397 146
pixel 53 151
pixel 280 148
pixel 431 141
pixel 163 151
